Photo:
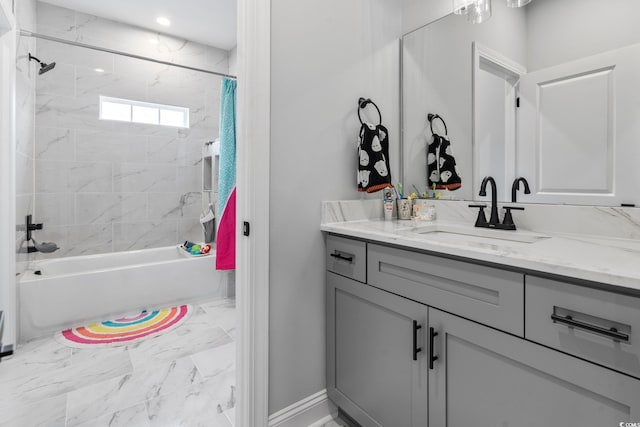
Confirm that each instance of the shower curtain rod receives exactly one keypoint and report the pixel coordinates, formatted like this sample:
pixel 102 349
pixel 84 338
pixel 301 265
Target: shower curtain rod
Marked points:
pixel 116 52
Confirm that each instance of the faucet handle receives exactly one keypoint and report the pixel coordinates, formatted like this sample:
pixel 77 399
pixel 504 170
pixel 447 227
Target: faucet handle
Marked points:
pixel 508 219
pixel 481 221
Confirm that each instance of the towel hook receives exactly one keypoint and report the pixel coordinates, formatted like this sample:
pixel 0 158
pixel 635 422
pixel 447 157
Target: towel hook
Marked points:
pixel 362 103
pixel 432 117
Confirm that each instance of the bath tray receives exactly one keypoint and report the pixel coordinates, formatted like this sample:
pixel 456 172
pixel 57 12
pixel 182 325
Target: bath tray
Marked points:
pixel 186 254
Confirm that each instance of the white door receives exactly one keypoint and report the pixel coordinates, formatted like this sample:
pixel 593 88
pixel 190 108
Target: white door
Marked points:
pixel 495 80
pixel 577 130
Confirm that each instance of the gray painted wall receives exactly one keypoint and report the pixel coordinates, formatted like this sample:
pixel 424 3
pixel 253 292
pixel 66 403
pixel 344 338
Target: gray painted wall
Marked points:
pixel 416 13
pixel 324 56
pixel 561 31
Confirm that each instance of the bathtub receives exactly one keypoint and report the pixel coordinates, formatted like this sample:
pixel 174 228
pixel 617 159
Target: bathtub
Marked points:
pixel 76 290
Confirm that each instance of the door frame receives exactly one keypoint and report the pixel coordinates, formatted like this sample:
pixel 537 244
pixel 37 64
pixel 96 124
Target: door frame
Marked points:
pixel 8 300
pixel 511 72
pixel 252 253
pixel 254 26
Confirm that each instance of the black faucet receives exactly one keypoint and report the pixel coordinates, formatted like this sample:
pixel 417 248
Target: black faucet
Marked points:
pixel 516 186
pixel 44 247
pixel 494 220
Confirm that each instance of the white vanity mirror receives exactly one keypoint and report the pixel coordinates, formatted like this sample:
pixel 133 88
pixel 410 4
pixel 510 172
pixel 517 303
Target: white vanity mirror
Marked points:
pixel 549 92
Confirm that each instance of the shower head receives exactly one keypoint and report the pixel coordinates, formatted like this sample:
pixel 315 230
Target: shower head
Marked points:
pixel 44 67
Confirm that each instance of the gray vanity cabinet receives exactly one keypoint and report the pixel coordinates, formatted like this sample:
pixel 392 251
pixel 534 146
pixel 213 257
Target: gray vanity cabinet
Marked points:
pixel 372 373
pixel 486 367
pixel 487 378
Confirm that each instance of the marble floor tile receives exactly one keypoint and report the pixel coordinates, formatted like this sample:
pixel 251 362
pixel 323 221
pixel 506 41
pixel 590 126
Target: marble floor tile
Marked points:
pixel 35 357
pixel 183 378
pixel 232 334
pixel 188 339
pixel 81 356
pixel 231 415
pixel 210 305
pixel 44 413
pixel 137 387
pixel 216 360
pixel 199 317
pixel 135 416
pixel 188 408
pixel 222 314
pixel 222 391
pixel 39 386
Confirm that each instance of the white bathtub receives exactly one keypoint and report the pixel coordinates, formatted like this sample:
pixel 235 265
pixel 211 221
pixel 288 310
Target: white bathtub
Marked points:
pixel 76 290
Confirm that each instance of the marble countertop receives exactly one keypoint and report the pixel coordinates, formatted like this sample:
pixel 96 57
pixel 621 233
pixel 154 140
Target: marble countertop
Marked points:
pixel 612 261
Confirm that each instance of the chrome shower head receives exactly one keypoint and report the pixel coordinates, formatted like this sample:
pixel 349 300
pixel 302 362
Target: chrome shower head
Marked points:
pixel 44 67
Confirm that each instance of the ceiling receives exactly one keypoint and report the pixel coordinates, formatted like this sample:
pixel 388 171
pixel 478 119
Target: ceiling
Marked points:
pixel 212 22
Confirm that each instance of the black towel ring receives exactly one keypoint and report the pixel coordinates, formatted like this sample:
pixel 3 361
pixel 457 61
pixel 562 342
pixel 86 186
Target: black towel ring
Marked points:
pixel 432 117
pixel 362 103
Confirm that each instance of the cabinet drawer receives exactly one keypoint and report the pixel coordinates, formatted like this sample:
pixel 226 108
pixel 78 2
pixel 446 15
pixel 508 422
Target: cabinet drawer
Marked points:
pixel 347 257
pixel 484 294
pixel 579 321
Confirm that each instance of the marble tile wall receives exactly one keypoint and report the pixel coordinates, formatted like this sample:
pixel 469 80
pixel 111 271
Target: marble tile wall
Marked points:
pixel 601 221
pixel 103 186
pixel 25 103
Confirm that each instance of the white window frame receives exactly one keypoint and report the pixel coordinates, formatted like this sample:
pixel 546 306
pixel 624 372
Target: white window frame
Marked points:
pixel 133 103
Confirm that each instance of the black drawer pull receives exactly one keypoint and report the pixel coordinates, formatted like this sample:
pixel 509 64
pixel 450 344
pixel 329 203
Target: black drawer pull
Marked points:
pixel 432 358
pixel 611 333
pixel 416 349
pixel 338 255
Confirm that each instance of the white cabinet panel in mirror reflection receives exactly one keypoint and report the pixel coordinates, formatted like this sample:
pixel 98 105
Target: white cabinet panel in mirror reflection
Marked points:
pixel 551 45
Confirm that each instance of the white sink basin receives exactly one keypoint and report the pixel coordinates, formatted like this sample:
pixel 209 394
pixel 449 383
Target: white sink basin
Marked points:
pixel 466 233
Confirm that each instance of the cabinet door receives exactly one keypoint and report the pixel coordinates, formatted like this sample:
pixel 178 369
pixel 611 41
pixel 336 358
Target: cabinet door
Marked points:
pixel 487 378
pixel 371 371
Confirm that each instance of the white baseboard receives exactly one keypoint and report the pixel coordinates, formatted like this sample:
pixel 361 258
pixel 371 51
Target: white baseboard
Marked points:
pixel 314 410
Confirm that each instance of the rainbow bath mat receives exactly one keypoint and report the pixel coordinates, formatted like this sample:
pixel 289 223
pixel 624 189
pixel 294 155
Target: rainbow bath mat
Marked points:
pixel 126 330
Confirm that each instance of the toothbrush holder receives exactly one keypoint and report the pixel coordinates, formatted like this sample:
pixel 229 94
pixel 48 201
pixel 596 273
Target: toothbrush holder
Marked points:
pixel 404 208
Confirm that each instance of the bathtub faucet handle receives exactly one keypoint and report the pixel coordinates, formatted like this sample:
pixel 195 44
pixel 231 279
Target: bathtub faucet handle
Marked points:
pixel 30 226
pixel 44 247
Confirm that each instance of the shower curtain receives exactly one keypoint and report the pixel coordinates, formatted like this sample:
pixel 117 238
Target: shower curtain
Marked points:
pixel 226 239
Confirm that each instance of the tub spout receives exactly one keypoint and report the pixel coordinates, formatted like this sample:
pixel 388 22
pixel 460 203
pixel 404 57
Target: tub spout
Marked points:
pixel 45 247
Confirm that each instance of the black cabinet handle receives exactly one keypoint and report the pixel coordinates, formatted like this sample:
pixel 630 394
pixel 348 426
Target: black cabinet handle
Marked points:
pixel 416 349
pixel 432 358
pixel 611 333
pixel 338 255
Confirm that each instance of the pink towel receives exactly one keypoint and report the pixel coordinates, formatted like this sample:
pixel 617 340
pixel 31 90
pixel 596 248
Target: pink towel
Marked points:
pixel 226 239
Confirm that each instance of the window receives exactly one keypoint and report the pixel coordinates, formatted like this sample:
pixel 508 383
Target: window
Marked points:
pixel 127 110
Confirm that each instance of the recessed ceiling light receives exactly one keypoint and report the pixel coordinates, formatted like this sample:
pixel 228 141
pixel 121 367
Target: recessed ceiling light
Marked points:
pixel 163 21
pixel 98 70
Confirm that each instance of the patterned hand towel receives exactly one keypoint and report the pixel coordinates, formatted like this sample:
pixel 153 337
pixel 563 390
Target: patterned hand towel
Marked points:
pixel 374 173
pixel 441 165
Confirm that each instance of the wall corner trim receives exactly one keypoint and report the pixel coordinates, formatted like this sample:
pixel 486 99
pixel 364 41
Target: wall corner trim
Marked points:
pixel 306 412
